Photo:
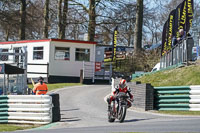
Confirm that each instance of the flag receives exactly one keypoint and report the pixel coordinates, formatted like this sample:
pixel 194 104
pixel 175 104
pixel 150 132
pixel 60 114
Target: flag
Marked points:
pixel 170 29
pixel 189 14
pixel 168 33
pixel 164 38
pixel 114 44
pixel 183 12
pixel 177 20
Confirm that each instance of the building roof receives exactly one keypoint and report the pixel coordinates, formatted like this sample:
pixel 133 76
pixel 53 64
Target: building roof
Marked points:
pixel 48 40
pixel 9 69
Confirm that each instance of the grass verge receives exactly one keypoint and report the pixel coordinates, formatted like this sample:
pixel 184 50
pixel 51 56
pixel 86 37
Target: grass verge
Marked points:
pixel 14 127
pixel 58 85
pixel 180 112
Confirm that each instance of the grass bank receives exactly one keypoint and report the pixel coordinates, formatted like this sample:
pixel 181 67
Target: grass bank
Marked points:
pixel 14 127
pixel 189 75
pixel 180 112
pixel 184 76
pixel 58 85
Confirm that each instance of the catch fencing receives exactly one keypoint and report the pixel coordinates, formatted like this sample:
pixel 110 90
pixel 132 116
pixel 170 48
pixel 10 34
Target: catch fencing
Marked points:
pixel 185 98
pixel 13 82
pixel 180 53
pixel 26 109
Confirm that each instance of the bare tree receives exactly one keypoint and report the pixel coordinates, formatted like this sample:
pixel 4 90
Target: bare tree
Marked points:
pixel 138 26
pixel 62 18
pixel 22 29
pixel 92 22
pixel 46 19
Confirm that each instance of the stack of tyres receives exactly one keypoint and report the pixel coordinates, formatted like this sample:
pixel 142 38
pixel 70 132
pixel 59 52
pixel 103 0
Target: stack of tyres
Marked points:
pixel 56 107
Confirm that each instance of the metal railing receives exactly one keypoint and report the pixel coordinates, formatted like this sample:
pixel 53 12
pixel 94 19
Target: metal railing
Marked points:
pixel 180 53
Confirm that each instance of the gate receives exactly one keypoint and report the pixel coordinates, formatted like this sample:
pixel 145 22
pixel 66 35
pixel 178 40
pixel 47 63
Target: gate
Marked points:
pixel 97 71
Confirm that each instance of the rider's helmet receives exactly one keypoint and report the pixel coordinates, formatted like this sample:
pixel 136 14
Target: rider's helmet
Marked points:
pixel 122 83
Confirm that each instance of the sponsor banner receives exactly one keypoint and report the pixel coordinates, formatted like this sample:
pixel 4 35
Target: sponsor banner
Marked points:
pixel 189 14
pixel 114 44
pixel 177 20
pixel 183 12
pixel 164 38
pixel 170 30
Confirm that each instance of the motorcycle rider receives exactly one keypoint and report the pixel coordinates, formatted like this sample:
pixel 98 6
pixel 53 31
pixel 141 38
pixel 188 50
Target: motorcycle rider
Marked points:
pixel 122 88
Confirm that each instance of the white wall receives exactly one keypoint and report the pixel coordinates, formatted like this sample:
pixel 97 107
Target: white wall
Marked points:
pixel 30 45
pixel 45 60
pixel 71 67
pixel 56 67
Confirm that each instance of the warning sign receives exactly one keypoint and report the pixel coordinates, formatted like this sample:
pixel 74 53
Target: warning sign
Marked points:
pixel 97 66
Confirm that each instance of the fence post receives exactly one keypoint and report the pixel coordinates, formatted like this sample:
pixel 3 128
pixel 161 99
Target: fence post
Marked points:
pixel 81 76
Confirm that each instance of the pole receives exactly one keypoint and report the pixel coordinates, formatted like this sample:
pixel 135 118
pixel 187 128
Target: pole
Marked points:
pixel 4 84
pixel 25 69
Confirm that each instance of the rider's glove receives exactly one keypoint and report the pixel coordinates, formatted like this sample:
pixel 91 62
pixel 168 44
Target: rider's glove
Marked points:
pixel 131 99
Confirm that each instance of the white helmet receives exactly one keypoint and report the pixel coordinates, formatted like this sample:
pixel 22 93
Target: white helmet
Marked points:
pixel 122 83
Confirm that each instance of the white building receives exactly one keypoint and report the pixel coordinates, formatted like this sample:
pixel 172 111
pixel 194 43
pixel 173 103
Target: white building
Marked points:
pixel 54 59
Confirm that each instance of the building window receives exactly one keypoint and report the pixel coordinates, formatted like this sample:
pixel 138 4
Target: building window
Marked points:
pixel 82 54
pixel 17 57
pixel 4 57
pixel 62 53
pixel 38 53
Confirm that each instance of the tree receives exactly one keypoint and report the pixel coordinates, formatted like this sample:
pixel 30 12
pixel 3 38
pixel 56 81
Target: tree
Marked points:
pixel 62 18
pixel 22 32
pixel 92 21
pixel 138 26
pixel 46 19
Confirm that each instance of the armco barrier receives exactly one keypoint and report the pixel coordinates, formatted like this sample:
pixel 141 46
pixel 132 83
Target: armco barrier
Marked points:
pixel 177 98
pixel 26 109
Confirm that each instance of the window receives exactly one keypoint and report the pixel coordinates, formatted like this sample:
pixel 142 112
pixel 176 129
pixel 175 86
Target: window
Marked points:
pixel 17 57
pixel 37 53
pixel 62 53
pixel 82 54
pixel 4 57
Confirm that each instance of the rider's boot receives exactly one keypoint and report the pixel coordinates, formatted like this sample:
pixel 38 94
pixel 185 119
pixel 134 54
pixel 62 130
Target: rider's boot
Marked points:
pixel 109 107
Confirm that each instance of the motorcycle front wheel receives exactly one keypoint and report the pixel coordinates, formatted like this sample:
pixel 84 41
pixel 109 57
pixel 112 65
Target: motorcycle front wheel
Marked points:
pixel 122 114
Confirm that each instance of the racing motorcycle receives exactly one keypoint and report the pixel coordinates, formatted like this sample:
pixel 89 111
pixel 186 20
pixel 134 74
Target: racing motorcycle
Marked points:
pixel 118 108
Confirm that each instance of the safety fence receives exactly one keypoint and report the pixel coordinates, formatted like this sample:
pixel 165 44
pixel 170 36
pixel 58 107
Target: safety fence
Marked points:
pixel 186 98
pixel 26 109
pixel 180 53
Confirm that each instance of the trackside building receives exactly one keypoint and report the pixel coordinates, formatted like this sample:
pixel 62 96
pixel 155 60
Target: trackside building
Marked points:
pixel 54 59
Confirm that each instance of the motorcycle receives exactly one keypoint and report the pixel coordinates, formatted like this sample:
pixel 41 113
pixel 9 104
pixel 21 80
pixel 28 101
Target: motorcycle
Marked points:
pixel 118 110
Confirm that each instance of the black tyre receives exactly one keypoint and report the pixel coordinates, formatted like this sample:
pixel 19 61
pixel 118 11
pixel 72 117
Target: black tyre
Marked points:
pixel 110 117
pixel 122 114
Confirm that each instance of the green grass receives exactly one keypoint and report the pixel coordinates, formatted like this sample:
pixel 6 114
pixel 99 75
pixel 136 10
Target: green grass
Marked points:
pixel 189 75
pixel 12 127
pixel 180 112
pixel 58 85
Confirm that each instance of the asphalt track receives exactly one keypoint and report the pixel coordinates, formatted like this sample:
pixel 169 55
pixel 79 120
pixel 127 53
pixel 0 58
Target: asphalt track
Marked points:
pixel 83 110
